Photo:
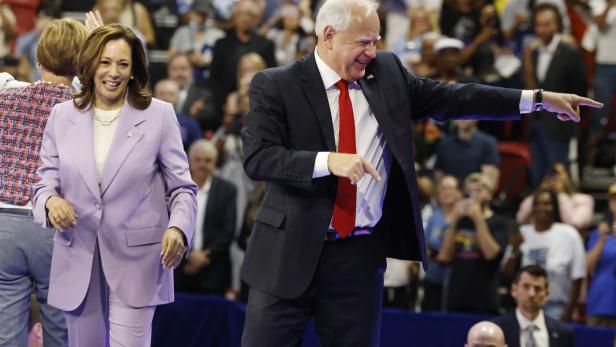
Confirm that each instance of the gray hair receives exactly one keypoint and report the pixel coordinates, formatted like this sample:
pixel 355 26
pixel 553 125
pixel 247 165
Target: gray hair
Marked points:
pixel 339 13
pixel 202 144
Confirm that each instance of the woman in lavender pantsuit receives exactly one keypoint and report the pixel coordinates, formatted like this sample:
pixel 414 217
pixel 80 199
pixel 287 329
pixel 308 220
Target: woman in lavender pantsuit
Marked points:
pixel 114 183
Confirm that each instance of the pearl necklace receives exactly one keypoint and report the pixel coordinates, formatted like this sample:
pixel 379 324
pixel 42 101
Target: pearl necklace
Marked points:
pixel 104 122
pixel 49 83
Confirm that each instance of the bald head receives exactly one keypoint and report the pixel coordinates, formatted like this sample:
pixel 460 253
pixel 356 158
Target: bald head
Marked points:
pixel 485 334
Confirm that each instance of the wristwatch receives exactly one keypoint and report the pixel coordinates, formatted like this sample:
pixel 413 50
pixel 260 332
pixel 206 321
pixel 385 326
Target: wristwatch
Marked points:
pixel 538 100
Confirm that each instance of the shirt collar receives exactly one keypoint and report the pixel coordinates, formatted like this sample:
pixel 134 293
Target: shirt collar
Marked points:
pixel 328 75
pixel 207 185
pixel 539 321
pixel 551 47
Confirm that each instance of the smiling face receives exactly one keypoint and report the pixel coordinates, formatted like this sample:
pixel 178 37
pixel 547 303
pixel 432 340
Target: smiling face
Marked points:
pixel 349 51
pixel 112 75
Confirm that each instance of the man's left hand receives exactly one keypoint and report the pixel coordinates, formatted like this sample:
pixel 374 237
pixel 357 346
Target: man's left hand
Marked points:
pixel 567 106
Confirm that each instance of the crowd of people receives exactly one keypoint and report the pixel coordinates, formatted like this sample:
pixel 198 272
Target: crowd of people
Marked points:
pixel 553 241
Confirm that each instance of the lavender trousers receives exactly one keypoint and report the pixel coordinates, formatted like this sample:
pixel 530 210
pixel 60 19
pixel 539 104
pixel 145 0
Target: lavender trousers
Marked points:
pixel 103 320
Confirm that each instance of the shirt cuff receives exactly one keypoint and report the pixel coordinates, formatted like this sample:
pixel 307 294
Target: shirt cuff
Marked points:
pixel 526 102
pixel 320 165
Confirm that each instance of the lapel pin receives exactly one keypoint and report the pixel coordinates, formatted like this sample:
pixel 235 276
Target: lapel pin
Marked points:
pixel 370 76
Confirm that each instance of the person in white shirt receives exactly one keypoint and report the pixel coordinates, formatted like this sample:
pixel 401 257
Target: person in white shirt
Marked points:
pixel 558 248
pixel 527 325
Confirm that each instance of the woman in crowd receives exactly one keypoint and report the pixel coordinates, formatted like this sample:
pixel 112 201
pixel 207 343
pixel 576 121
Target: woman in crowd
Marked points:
pixel 601 266
pixel 25 247
pixel 114 183
pixel 574 208
pixel 556 247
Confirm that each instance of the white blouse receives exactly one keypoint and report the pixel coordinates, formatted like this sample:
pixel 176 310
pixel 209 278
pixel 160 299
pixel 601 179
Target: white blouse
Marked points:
pixel 104 126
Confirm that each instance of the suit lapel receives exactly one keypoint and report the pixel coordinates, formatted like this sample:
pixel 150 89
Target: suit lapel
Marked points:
pixel 317 96
pixel 515 326
pixel 126 136
pixel 554 64
pixel 82 147
pixel 211 202
pixel 553 334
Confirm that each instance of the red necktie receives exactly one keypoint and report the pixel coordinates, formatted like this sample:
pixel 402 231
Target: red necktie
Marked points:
pixel 343 220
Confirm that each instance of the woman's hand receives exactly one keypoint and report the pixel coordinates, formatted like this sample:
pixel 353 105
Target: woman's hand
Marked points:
pixel 93 20
pixel 173 248
pixel 60 213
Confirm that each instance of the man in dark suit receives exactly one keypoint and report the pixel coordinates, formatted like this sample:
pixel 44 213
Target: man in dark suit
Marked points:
pixel 228 51
pixel 527 325
pixel 556 65
pixel 313 131
pixel 207 269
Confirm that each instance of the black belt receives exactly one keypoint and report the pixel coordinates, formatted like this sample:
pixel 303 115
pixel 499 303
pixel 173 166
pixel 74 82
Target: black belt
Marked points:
pixel 18 211
pixel 332 235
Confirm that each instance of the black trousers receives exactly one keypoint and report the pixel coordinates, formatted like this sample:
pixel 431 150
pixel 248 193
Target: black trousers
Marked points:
pixel 344 297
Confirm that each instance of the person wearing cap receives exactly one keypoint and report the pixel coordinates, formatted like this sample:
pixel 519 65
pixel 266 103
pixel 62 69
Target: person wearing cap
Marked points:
pixel 601 265
pixel 196 39
pixel 473 246
pixel 448 64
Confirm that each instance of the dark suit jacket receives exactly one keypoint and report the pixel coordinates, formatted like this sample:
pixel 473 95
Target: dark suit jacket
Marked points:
pixel 559 334
pixel 218 232
pixel 226 57
pixel 565 74
pixel 208 118
pixel 289 122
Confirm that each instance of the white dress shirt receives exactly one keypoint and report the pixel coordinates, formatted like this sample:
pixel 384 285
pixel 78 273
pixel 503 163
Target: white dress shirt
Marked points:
pixel 370 144
pixel 540 333
pixel 546 53
pixel 202 195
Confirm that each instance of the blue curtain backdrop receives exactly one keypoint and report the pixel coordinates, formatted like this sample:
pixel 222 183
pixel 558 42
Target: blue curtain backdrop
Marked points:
pixel 206 321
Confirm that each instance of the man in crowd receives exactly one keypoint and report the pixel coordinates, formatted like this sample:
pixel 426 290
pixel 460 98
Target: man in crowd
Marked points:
pixel 553 65
pixel 527 325
pixel 207 269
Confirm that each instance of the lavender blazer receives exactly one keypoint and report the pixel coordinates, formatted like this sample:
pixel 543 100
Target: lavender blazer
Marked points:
pixel 145 188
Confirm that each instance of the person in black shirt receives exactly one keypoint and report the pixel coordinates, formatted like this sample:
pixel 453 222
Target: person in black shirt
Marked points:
pixel 474 246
